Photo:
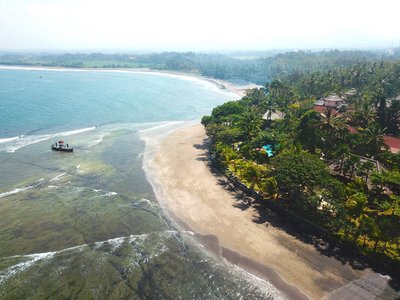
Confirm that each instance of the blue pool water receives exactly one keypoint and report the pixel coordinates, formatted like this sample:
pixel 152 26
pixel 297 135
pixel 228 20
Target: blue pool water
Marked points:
pixel 268 150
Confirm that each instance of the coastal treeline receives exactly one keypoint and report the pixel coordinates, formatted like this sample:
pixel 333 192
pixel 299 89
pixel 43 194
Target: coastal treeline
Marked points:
pixel 251 66
pixel 328 166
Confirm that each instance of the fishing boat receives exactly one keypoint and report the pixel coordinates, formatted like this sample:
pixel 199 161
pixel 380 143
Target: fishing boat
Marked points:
pixel 61 146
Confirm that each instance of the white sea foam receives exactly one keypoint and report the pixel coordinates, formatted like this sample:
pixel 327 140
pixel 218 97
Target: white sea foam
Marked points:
pixel 153 137
pixel 161 127
pixel 22 266
pixel 16 144
pixel 76 131
pixel 140 237
pixel 109 194
pixel 107 129
pixel 114 243
pixel 13 144
pixel 135 241
pixel 98 140
pixel 265 286
pixel 39 183
pixel 58 177
pixel 17 190
pixel 5 140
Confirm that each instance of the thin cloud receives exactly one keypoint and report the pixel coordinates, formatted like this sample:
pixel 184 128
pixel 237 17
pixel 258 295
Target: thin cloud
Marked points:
pixel 192 25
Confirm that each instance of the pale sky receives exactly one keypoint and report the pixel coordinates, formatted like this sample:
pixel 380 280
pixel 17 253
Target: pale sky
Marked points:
pixel 197 25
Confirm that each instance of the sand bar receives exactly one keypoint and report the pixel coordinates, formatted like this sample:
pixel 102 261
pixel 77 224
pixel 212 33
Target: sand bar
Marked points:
pixel 200 200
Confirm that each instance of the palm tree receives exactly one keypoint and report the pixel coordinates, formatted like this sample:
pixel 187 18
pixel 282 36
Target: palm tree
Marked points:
pixel 254 96
pixel 370 229
pixel 375 234
pixel 357 99
pixel 349 166
pixel 227 154
pixel 253 173
pixel 250 123
pixel 270 187
pixel 306 131
pixel 356 206
pixel 365 116
pixel 331 123
pixel 342 152
pixel 270 108
pixel 374 138
pixel 330 128
pixel 395 204
pixel 388 231
pixel 279 92
pixel 365 169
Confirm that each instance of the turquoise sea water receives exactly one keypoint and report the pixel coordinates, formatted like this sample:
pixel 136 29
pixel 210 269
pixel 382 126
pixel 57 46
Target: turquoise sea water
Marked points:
pixel 42 101
pixel 87 225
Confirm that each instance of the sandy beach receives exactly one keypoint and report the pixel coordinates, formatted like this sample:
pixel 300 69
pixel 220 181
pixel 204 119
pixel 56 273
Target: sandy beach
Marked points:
pixel 201 200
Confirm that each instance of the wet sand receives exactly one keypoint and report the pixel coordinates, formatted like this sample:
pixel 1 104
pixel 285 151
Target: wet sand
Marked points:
pixel 201 200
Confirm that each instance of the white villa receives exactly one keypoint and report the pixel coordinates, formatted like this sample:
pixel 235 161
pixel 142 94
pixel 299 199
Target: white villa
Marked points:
pixel 332 100
pixel 273 115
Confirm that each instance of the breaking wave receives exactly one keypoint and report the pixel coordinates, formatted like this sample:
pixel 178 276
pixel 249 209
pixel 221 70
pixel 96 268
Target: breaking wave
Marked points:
pixel 14 143
pixel 37 184
pixel 17 190
pixel 138 243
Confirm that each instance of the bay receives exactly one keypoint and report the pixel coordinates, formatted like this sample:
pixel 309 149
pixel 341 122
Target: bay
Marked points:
pixel 87 224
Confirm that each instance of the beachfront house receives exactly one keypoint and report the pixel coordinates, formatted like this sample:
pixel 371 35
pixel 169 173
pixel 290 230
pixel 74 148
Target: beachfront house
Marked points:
pixel 333 101
pixel 273 115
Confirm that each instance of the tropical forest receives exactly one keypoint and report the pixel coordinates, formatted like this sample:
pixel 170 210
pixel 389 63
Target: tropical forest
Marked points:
pixel 322 145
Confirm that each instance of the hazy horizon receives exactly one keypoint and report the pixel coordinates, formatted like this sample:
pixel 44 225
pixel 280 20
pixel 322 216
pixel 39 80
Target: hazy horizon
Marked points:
pixel 123 25
pixel 183 50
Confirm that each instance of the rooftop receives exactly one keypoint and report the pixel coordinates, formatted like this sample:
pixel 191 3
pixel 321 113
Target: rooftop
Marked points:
pixel 393 143
pixel 333 97
pixel 277 115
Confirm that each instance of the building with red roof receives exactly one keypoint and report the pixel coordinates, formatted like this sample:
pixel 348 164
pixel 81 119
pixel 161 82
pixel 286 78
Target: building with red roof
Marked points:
pixel 393 143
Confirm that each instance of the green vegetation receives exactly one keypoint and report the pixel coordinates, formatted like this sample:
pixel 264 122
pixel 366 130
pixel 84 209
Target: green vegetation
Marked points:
pixel 257 67
pixel 339 177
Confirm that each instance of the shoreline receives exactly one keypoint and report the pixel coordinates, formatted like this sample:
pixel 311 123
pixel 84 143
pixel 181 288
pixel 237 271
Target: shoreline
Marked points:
pixel 209 242
pixel 199 200
pixel 223 85
pixel 184 145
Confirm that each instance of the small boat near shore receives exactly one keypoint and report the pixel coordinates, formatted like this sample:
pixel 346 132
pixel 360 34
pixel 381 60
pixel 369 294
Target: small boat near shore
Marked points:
pixel 59 146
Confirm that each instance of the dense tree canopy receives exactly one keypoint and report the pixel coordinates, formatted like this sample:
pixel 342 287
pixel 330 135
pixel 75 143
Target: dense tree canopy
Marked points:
pixel 237 66
pixel 331 167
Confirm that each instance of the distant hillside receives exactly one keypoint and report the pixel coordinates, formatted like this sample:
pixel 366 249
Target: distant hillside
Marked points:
pixel 251 66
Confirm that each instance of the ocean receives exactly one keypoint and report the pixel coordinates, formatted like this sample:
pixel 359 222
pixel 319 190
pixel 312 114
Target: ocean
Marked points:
pixel 87 224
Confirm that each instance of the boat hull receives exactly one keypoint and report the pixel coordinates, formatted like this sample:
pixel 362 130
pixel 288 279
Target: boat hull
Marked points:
pixel 62 149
